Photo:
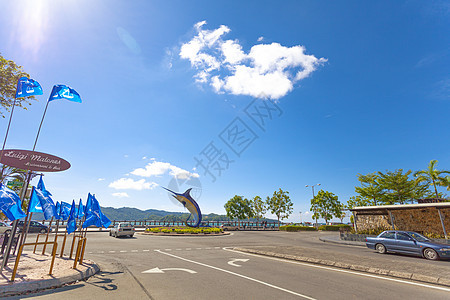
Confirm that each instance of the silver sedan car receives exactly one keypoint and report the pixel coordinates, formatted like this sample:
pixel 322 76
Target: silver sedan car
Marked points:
pixel 122 229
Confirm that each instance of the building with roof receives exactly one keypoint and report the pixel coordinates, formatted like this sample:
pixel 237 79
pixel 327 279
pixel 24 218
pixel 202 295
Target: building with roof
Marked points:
pixel 431 218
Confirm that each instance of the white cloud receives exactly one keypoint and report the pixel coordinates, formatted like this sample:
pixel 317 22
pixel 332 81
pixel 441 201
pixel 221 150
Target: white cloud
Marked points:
pixel 267 71
pixel 130 184
pixel 260 39
pixel 121 195
pixel 101 179
pixel 158 168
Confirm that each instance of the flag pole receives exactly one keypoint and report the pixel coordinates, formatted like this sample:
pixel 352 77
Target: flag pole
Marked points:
pixel 6 137
pixel 27 220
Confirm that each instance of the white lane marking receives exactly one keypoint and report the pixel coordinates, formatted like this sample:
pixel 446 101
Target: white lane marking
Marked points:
pixel 188 248
pixel 208 248
pixel 340 270
pixel 160 271
pixel 145 250
pixel 112 251
pixel 198 248
pixel 232 262
pixel 179 249
pixel 239 275
pixel 216 247
pixel 123 251
pixel 134 250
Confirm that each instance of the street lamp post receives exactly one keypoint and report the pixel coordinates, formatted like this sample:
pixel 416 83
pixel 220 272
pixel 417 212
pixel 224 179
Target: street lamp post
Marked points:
pixel 312 187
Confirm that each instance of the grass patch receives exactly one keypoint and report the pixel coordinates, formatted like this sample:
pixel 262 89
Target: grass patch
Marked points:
pixel 334 227
pixel 293 228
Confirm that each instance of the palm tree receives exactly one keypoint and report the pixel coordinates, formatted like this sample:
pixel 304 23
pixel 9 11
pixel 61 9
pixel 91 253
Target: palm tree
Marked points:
pixel 433 175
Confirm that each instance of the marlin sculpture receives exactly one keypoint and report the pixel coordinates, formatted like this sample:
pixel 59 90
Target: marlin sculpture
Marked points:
pixel 190 204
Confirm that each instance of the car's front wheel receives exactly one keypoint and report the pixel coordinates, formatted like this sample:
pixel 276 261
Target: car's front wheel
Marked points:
pixel 380 248
pixel 42 230
pixel 8 231
pixel 429 253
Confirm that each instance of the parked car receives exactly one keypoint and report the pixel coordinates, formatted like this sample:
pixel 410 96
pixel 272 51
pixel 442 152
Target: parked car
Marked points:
pixel 34 227
pixel 122 229
pixel 5 227
pixel 228 227
pixel 203 224
pixel 408 242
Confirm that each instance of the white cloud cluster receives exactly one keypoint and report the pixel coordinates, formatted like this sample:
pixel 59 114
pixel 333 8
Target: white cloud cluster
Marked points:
pixel 120 195
pixel 158 168
pixel 266 71
pixel 154 168
pixel 131 184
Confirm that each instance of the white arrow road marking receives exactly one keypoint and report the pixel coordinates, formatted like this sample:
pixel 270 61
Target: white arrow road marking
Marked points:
pixel 238 275
pixel 232 262
pixel 160 271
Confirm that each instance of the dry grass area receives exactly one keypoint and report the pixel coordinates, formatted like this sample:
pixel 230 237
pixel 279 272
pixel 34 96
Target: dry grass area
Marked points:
pixel 36 267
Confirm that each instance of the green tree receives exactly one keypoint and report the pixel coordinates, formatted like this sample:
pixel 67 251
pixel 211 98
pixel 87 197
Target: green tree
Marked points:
pixel 326 205
pixel 259 207
pixel 10 73
pixel 238 208
pixel 370 188
pixel 356 201
pixel 399 188
pixel 280 204
pixel 431 174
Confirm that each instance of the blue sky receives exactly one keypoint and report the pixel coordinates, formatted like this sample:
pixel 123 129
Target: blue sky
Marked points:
pixel 351 87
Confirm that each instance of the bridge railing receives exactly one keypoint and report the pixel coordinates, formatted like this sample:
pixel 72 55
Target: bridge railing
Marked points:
pixel 243 225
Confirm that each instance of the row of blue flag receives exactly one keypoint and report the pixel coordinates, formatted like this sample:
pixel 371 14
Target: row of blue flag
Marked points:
pixel 41 201
pixel 28 87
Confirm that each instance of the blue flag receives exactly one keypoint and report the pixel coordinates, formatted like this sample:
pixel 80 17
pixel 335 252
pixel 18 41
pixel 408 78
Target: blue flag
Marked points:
pixel 10 203
pixel 88 208
pixel 61 91
pixel 58 211
pixel 81 208
pixel 27 87
pixel 65 210
pixel 72 223
pixel 35 204
pixel 47 205
pixel 41 186
pixel 96 217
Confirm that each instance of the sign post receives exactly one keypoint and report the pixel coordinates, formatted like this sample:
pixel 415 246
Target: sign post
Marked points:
pixel 30 161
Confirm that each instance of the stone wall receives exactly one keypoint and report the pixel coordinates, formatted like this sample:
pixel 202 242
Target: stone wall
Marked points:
pixel 423 220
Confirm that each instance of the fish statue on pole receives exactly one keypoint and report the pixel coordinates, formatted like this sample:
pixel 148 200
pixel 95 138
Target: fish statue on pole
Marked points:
pixel 190 204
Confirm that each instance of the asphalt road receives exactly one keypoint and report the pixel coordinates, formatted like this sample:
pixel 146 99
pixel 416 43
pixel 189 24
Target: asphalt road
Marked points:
pixel 155 267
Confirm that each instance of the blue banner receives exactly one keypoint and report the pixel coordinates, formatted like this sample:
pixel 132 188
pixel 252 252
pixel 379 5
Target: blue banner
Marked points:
pixel 96 217
pixel 48 207
pixel 72 223
pixel 61 91
pixel 81 208
pixel 58 211
pixel 27 87
pixel 10 203
pixel 65 210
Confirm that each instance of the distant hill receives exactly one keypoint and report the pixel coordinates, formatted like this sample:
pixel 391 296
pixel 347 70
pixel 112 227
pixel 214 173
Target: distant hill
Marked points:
pixel 132 214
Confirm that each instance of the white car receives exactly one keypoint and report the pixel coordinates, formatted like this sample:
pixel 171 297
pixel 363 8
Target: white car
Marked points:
pixel 228 227
pixel 122 229
pixel 4 227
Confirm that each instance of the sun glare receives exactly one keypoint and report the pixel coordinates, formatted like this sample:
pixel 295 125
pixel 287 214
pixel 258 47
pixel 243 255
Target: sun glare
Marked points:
pixel 32 19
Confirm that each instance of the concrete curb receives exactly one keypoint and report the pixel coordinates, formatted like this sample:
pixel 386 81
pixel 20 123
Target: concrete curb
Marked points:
pixel 348 243
pixel 384 272
pixel 39 285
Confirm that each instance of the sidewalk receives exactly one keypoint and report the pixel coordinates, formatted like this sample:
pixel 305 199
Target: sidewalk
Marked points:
pixel 32 273
pixel 381 264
